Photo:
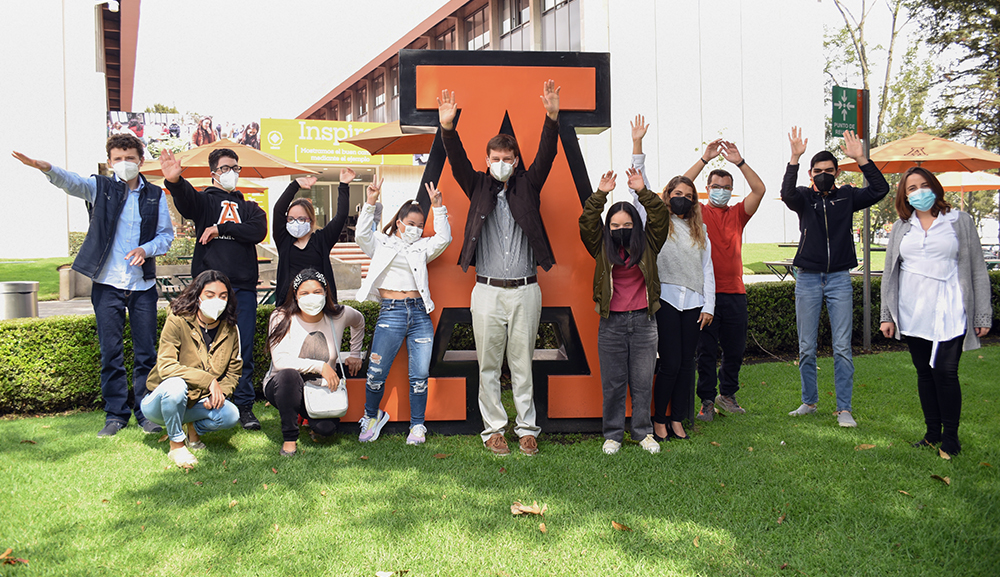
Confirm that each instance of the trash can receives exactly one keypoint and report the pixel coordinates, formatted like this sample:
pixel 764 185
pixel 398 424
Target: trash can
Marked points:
pixel 18 299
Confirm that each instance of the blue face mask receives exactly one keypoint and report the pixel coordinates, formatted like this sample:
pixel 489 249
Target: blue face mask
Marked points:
pixel 922 199
pixel 719 196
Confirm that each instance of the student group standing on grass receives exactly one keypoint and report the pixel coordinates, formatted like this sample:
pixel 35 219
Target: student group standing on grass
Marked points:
pixel 667 283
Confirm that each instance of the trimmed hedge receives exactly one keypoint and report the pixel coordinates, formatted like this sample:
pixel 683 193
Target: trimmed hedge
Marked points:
pixel 54 364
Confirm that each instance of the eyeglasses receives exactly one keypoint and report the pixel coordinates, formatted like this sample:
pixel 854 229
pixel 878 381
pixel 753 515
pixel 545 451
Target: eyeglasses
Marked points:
pixel 224 169
pixel 300 220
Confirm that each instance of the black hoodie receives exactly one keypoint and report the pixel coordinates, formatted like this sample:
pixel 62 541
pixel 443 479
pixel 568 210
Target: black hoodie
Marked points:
pixel 242 224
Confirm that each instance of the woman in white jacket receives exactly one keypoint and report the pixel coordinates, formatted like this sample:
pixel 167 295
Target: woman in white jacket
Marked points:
pixel 397 276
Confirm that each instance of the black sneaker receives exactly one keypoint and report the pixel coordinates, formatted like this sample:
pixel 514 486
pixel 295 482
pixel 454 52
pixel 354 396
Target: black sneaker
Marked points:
pixel 149 427
pixel 248 419
pixel 110 429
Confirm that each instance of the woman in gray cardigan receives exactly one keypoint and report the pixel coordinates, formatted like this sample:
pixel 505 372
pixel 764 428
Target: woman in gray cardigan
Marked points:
pixel 936 293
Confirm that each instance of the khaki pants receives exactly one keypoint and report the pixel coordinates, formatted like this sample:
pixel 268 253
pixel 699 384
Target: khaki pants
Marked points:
pixel 506 318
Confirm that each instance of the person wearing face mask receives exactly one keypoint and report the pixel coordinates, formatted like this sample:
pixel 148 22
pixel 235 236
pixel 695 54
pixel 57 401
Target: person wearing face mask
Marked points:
pixel 936 293
pixel 397 277
pixel 627 293
pixel 228 228
pixel 505 240
pixel 129 227
pixel 300 243
pixel 304 339
pixel 197 367
pixel 824 259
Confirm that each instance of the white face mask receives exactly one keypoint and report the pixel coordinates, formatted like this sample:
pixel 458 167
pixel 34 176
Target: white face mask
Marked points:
pixel 298 229
pixel 126 170
pixel 312 304
pixel 212 308
pixel 228 181
pixel 412 233
pixel 501 170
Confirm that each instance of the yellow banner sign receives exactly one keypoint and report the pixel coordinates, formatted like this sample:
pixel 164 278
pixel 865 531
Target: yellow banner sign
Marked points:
pixel 320 142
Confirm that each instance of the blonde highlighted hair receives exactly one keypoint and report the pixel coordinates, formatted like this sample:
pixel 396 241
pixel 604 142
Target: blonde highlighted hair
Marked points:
pixel 693 217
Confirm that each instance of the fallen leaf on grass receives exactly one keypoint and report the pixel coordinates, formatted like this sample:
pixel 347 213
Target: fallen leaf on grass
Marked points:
pixel 905 493
pixel 864 447
pixel 364 457
pixel 619 527
pixel 104 501
pixel 232 503
pixel 517 508
pixel 945 480
pixel 944 455
pixel 696 541
pixel 199 483
pixel 441 455
pixel 781 519
pixel 29 441
pixel 265 486
pixel 985 464
pixel 541 527
pixel 750 449
pixel 234 481
pixel 503 469
pixel 162 439
pixel 322 493
pixel 8 560
pixel 783 566
pixel 715 443
pixel 273 470
pixel 391 573
pixel 46 426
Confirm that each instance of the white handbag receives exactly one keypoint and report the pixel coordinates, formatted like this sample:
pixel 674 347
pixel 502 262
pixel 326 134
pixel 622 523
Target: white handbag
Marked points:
pixel 321 402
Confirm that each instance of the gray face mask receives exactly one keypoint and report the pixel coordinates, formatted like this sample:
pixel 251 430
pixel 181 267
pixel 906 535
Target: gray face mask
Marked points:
pixel 298 229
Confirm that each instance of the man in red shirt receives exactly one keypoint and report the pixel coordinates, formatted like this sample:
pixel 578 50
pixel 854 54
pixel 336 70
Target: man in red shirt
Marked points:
pixel 725 231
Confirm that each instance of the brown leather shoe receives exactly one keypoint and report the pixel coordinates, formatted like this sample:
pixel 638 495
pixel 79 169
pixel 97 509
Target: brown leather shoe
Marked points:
pixel 497 444
pixel 529 446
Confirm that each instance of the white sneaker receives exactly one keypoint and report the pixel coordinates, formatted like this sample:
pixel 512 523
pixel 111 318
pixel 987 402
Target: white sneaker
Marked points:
pixel 803 409
pixel 417 435
pixel 611 446
pixel 845 419
pixel 650 444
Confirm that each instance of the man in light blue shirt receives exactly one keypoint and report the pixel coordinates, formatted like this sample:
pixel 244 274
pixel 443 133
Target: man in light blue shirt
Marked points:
pixel 129 226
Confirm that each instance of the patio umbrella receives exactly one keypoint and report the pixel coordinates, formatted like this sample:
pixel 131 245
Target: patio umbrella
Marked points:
pixel 198 182
pixel 256 164
pixel 392 138
pixel 962 182
pixel 930 152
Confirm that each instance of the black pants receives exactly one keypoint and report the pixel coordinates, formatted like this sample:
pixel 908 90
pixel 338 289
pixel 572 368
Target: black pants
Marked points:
pixel 678 339
pixel 284 391
pixel 940 393
pixel 728 330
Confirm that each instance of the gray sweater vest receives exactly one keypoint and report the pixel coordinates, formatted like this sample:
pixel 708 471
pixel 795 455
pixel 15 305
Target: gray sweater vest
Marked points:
pixel 679 261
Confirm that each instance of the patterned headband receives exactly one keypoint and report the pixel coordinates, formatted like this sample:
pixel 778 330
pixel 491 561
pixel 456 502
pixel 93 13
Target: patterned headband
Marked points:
pixel 308 274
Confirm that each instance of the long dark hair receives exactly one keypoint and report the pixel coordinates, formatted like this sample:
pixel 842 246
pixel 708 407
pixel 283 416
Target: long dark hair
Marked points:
pixel 409 207
pixel 290 307
pixel 187 303
pixel 636 246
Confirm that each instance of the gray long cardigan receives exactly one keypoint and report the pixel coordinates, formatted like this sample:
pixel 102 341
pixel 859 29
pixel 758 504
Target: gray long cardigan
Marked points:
pixel 972 278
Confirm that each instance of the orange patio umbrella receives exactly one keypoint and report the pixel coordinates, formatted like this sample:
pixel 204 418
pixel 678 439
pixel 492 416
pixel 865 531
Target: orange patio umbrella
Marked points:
pixel 930 152
pixel 256 164
pixel 392 138
pixel 962 182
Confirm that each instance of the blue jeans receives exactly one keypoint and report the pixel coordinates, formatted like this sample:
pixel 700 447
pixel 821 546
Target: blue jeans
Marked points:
pixel 246 322
pixel 167 406
pixel 110 304
pixel 626 347
pixel 811 288
pixel 399 320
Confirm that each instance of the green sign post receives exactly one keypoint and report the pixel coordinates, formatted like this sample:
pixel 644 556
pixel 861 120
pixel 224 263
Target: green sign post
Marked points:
pixel 848 111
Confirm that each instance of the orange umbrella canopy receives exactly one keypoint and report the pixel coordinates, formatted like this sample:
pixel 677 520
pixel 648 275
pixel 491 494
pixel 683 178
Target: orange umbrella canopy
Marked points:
pixel 392 138
pixel 969 181
pixel 930 152
pixel 256 164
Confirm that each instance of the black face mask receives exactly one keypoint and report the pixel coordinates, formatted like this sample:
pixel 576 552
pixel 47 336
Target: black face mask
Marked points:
pixel 622 236
pixel 824 181
pixel 680 205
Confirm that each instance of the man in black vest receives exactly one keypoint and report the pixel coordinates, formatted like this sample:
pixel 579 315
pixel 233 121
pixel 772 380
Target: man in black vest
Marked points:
pixel 129 226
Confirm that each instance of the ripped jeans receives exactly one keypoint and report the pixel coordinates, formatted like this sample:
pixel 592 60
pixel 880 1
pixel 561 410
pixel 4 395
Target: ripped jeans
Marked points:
pixel 399 320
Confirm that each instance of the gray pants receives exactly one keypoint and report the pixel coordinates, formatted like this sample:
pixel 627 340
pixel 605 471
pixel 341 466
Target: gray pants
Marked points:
pixel 626 346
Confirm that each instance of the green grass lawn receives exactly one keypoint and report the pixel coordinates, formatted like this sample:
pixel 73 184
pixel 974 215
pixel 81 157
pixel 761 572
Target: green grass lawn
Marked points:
pixel 43 270
pixel 755 494
pixel 756 254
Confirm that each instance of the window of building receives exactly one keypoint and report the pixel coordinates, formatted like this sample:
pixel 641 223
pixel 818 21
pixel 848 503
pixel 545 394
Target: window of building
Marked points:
pixel 477 29
pixel 393 111
pixel 445 41
pixel 362 102
pixel 513 13
pixel 348 111
pixel 561 25
pixel 378 111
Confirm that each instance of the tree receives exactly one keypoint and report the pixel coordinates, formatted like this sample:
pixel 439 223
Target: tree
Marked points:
pixel 162 108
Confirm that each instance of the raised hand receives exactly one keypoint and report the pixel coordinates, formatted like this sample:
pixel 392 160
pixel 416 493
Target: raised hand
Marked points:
pixel 730 152
pixel 434 193
pixel 853 147
pixel 797 143
pixel 170 166
pixel 347 175
pixel 373 191
pixel 306 182
pixel 712 150
pixel 550 98
pixel 447 109
pixel 639 127
pixel 635 179
pixel 39 164
pixel 607 183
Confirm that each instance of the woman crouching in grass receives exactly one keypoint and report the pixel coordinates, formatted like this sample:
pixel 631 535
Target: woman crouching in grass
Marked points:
pixel 197 366
pixel 627 293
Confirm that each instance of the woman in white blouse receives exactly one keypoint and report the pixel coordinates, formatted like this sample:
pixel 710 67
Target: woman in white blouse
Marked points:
pixel 936 293
pixel 397 277
pixel 304 339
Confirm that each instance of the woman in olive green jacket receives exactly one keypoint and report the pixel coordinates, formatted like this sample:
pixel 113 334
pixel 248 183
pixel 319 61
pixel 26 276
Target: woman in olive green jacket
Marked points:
pixel 197 366
pixel 627 293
